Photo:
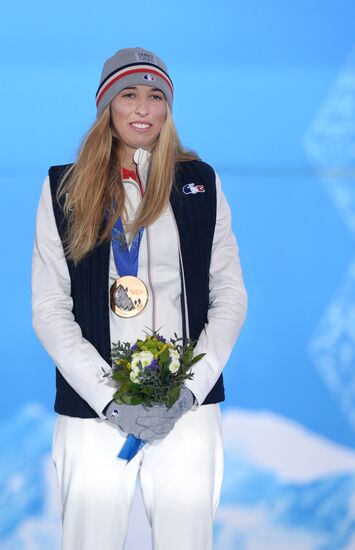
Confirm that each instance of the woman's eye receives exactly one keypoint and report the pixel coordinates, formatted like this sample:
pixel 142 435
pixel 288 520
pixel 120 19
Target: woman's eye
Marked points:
pixel 157 97
pixel 128 95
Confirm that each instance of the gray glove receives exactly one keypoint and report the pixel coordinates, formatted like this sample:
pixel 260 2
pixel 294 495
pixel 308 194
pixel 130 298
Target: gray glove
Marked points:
pixel 149 423
pixel 183 404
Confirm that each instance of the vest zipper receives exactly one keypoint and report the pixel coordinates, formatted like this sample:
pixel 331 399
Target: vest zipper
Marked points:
pixel 150 280
pixel 185 312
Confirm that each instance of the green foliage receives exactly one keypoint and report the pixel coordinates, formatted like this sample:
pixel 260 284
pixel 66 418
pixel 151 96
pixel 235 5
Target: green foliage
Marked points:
pixel 172 396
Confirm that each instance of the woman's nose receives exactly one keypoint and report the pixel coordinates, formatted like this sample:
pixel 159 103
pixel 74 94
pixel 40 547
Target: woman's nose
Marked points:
pixel 142 107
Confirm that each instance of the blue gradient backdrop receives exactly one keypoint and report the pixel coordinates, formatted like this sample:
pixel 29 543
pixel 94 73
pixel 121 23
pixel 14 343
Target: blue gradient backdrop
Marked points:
pixel 250 78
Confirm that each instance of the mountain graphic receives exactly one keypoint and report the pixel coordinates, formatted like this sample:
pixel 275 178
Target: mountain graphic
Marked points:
pixel 284 487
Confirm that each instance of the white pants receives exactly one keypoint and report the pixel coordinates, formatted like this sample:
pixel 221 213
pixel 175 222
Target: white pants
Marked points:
pixel 180 478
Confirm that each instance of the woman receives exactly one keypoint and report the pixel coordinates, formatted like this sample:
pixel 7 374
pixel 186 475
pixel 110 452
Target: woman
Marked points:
pixel 132 166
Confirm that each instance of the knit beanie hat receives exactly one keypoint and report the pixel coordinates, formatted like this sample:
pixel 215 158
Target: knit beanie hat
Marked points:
pixel 132 67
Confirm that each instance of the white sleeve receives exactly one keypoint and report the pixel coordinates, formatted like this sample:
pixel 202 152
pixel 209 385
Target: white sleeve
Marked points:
pixel 228 304
pixel 53 321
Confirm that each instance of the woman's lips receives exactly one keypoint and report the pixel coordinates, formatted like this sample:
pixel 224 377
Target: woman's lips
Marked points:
pixel 140 126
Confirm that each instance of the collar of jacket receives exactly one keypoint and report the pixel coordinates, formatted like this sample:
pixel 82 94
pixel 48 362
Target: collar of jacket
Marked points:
pixel 142 160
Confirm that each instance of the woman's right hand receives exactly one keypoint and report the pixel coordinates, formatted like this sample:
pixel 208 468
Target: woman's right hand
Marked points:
pixel 146 423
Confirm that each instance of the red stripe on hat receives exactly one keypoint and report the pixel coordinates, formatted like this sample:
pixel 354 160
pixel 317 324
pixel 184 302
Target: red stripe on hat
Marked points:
pixel 148 70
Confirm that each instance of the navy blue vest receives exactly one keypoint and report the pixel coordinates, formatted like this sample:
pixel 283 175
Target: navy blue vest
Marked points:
pixel 195 216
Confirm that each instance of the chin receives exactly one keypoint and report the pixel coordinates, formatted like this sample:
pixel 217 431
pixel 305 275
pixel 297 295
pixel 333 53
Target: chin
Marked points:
pixel 143 145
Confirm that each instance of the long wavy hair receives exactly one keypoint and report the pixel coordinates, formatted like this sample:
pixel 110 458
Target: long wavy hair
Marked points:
pixel 92 189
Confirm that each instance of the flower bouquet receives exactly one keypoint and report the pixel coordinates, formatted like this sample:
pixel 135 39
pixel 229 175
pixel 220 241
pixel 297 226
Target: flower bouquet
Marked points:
pixel 150 372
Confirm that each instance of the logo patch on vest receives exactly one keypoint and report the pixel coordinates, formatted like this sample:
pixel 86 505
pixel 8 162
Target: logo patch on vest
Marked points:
pixel 192 189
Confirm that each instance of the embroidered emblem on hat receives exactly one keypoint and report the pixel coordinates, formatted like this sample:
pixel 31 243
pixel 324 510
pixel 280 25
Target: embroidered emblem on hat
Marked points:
pixel 192 189
pixel 149 77
pixel 145 57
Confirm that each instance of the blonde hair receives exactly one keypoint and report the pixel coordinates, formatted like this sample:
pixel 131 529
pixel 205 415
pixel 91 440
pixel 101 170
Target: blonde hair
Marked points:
pixel 94 193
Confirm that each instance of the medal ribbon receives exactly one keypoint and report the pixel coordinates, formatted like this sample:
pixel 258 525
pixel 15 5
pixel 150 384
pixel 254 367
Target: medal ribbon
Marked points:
pixel 126 259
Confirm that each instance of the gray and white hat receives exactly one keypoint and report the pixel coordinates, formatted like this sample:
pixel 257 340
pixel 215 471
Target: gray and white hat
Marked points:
pixel 132 67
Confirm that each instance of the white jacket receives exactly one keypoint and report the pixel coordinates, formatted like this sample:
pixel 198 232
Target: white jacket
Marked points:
pixel 158 266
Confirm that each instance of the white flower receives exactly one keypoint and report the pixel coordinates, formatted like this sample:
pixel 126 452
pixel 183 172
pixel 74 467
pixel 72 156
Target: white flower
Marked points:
pixel 144 357
pixel 134 375
pixel 174 364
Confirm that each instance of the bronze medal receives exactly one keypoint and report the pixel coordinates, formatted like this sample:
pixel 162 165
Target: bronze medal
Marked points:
pixel 128 296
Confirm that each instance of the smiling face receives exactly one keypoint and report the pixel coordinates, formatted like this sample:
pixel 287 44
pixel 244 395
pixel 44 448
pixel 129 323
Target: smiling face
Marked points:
pixel 137 116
